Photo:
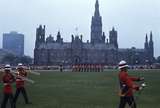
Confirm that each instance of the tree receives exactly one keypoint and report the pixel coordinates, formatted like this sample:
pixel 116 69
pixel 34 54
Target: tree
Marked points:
pixel 158 59
pixel 9 59
pixel 14 60
pixel 26 60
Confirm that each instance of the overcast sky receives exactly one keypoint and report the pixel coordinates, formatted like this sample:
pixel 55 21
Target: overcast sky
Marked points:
pixel 131 18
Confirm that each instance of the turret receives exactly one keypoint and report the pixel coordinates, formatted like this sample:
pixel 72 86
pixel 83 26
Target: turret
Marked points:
pixel 103 37
pixel 50 39
pixel 59 39
pixel 151 47
pixel 113 38
pixel 40 36
pixel 146 45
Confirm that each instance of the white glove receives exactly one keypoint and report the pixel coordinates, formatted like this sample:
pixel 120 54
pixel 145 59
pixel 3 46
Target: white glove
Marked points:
pixel 124 85
pixel 143 85
pixel 141 78
pixel 140 88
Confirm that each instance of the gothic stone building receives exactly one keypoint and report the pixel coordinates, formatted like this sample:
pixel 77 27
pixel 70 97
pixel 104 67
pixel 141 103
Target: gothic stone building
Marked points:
pixel 50 51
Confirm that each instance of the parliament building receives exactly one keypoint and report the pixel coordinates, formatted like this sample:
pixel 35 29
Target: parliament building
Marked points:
pixel 99 50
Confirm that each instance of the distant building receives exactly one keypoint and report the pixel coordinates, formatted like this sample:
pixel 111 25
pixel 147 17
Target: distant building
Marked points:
pixel 14 42
pixel 98 51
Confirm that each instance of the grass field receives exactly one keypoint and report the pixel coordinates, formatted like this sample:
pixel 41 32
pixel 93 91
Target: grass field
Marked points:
pixel 87 90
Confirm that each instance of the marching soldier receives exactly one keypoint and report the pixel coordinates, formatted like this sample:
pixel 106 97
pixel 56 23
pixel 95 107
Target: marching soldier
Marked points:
pixel 73 68
pixel 76 68
pixel 82 66
pixel 85 68
pixel 102 68
pixel 97 68
pixel 20 84
pixel 79 68
pixel 127 86
pixel 61 68
pixel 88 66
pixel 7 80
pixel 92 68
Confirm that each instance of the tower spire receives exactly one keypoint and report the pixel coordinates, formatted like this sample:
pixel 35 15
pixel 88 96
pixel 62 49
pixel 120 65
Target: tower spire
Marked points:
pixel 151 48
pixel 97 9
pixel 96 26
pixel 146 38
pixel 146 44
pixel 151 37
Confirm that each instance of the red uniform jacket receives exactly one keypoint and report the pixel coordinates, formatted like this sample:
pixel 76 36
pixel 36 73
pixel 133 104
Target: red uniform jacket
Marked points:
pixel 7 80
pixel 127 84
pixel 20 81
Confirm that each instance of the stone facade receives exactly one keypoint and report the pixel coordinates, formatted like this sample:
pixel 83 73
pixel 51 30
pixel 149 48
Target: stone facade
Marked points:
pixel 99 51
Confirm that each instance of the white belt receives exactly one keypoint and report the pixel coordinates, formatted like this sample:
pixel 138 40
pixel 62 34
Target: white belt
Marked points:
pixel 18 80
pixel 6 84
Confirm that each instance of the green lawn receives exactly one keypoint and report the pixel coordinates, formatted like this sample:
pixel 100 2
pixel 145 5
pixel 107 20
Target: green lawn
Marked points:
pixel 87 90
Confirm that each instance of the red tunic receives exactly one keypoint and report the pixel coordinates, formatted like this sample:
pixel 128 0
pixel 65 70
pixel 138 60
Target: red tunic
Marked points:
pixel 126 80
pixel 7 80
pixel 19 80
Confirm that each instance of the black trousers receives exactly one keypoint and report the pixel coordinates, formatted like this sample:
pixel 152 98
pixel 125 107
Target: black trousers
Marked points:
pixel 23 91
pixel 7 97
pixel 127 100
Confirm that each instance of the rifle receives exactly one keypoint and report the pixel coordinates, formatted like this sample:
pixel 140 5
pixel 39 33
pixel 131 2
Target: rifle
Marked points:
pixel 23 78
pixel 33 72
pixel 142 86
